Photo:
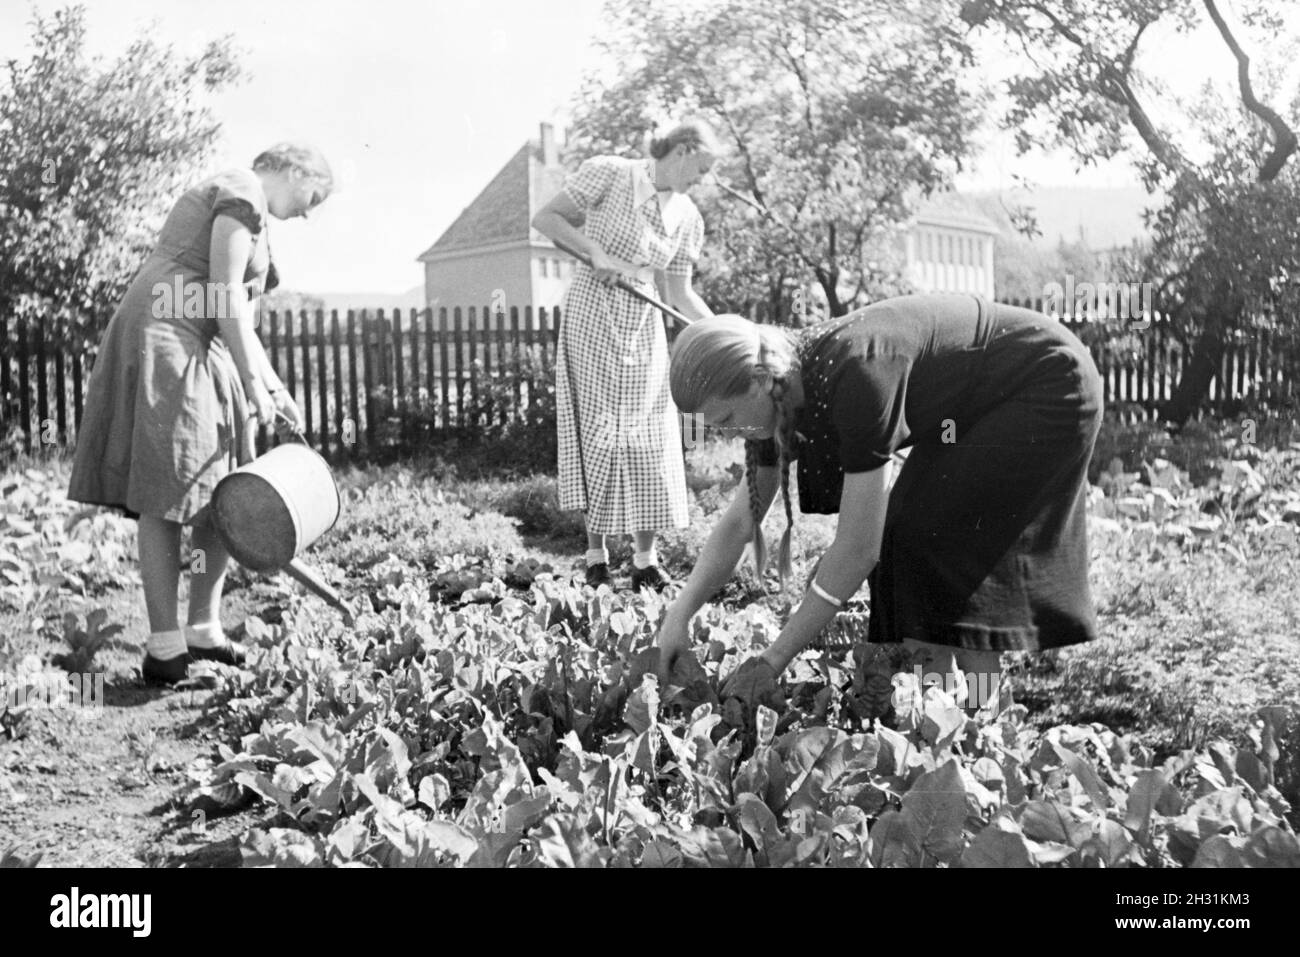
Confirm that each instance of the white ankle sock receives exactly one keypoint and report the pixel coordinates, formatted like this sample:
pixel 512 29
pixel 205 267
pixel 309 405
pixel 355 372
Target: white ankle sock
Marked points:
pixel 646 559
pixel 597 556
pixel 165 645
pixel 207 635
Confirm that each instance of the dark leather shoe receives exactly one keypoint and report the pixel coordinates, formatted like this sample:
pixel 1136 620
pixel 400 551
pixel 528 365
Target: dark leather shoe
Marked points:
pixel 598 574
pixel 157 671
pixel 230 653
pixel 649 577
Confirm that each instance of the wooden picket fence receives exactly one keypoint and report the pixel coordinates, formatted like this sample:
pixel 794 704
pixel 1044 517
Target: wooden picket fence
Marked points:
pixel 1141 365
pixel 356 373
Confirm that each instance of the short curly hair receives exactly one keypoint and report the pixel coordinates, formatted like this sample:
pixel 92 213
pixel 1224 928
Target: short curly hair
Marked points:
pixel 299 156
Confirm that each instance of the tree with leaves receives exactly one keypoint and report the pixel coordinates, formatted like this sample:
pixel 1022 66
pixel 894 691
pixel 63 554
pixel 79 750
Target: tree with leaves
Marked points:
pixel 840 116
pixel 1226 248
pixel 92 156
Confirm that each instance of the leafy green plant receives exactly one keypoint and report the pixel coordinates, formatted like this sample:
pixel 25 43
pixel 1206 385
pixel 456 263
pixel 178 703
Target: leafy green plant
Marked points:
pixel 85 642
pixel 523 727
pixel 535 501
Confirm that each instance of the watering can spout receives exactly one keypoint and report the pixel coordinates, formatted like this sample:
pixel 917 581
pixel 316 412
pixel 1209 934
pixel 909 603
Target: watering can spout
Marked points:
pixel 311 579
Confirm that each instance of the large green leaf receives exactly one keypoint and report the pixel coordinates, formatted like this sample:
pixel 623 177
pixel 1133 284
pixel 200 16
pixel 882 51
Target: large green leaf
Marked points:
pixel 937 805
pixel 994 847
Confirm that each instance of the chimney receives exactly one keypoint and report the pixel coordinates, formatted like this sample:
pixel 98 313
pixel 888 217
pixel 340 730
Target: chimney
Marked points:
pixel 550 156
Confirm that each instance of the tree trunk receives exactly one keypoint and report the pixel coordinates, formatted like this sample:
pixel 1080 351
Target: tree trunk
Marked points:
pixel 1221 313
pixel 1192 388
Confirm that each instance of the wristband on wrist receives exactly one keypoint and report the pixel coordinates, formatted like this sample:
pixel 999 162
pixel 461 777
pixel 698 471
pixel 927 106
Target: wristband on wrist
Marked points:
pixel 824 595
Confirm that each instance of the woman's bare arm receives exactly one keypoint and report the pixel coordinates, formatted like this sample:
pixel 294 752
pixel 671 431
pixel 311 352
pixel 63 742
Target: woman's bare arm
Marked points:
pixel 559 220
pixel 683 297
pixel 845 565
pixel 716 564
pixel 228 255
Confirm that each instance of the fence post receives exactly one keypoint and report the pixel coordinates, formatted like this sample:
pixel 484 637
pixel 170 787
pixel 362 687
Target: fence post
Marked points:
pixel 354 406
pixel 517 359
pixel 61 397
pixel 42 388
pixel 429 381
pixel 473 331
pixel 460 369
pixel 444 372
pixel 291 382
pixel 368 370
pixel 304 338
pixel 413 335
pixel 323 382
pixel 340 437
pixel 399 374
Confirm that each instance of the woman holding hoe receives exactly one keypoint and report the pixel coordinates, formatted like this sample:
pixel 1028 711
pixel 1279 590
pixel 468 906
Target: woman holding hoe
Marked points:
pixel 174 387
pixel 980 547
pixel 620 450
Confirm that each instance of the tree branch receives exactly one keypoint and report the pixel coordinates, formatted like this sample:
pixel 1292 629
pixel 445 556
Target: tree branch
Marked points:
pixel 1284 138
pixel 1122 91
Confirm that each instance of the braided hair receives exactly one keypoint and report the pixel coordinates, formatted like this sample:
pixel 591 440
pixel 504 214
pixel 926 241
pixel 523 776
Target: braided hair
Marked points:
pixel 779 374
pixel 722 357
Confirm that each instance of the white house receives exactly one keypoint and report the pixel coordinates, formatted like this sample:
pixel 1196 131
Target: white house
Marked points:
pixel 949 248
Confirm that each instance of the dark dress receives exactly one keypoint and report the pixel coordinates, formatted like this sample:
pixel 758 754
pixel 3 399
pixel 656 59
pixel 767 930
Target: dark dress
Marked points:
pixel 985 538
pixel 165 412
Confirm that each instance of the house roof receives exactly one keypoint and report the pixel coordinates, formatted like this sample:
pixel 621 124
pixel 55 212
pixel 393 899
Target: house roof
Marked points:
pixel 504 210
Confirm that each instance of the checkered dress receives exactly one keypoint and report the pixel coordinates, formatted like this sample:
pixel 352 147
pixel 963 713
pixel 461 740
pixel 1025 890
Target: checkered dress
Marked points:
pixel 620 449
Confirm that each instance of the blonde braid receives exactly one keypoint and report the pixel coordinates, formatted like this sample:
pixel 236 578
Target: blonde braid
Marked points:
pixel 785 439
pixel 751 478
pixel 784 442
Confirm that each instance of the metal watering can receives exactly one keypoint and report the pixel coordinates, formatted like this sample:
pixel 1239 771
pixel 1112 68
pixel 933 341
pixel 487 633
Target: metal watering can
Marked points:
pixel 271 510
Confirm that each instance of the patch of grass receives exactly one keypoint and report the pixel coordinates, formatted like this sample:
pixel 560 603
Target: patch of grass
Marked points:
pixel 535 502
pixel 416 517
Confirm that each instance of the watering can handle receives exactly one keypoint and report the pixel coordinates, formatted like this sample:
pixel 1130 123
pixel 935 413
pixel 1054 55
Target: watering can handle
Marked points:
pixel 289 429
pixel 293 431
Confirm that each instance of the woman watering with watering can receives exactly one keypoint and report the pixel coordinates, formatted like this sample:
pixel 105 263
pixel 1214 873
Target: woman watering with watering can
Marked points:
pixel 980 547
pixel 620 453
pixel 174 389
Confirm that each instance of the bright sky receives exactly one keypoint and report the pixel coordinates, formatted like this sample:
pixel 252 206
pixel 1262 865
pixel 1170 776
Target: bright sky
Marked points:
pixel 418 104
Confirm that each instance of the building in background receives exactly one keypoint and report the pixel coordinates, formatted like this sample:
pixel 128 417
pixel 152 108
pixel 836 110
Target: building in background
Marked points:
pixel 491 255
pixel 949 247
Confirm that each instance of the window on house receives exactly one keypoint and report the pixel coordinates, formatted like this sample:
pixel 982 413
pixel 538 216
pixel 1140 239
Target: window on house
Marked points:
pixel 541 267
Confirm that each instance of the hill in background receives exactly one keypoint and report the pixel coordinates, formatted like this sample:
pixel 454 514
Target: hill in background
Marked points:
pixel 1099 218
pixel 1092 234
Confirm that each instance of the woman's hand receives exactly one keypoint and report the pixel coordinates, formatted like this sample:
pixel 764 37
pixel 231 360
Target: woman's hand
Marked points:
pixel 260 400
pixel 673 641
pixel 287 409
pixel 609 269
